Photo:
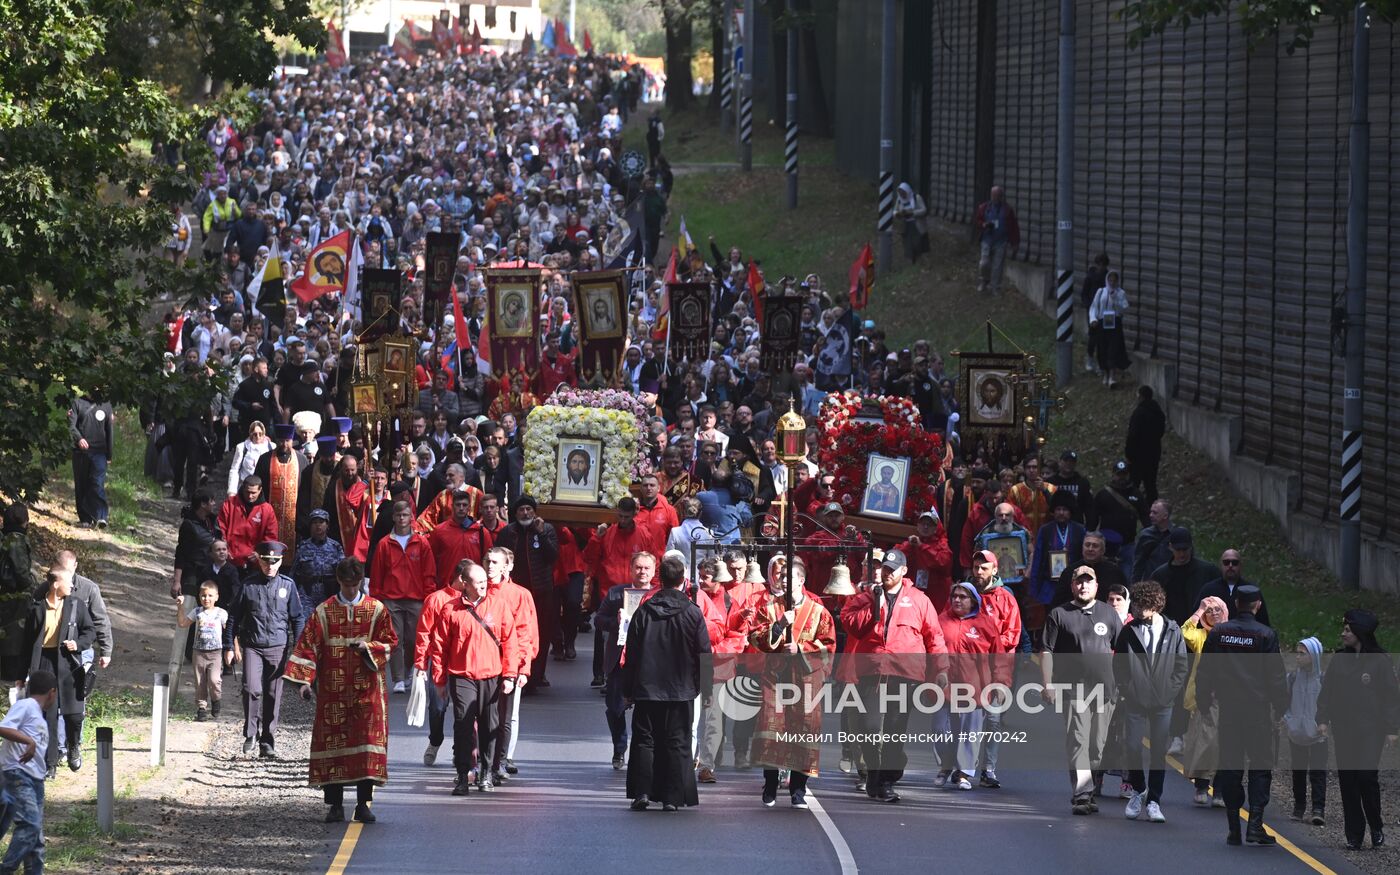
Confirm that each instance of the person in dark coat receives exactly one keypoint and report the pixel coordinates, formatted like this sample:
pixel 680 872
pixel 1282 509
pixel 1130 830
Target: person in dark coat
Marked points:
pixel 1182 576
pixel 1223 587
pixel 535 544
pixel 1359 707
pixel 58 630
pixel 668 664
pixel 199 529
pixel 17 584
pixel 1143 449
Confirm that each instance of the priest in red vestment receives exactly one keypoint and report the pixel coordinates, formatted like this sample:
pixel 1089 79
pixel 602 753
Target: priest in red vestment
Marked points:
pixel 343 651
pixel 347 501
pixel 280 472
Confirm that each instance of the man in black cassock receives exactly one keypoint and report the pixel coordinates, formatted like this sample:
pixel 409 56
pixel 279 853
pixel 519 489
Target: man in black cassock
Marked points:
pixel 667 664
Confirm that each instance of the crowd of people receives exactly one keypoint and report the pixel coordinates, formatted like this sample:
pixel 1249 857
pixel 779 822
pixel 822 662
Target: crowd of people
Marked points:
pixel 357 572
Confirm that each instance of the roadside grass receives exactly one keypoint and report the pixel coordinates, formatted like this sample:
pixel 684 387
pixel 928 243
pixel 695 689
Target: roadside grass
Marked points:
pixel 697 137
pixel 127 486
pixel 936 299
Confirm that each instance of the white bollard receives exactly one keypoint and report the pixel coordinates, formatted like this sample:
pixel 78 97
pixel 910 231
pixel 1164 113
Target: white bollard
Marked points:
pixel 104 779
pixel 160 713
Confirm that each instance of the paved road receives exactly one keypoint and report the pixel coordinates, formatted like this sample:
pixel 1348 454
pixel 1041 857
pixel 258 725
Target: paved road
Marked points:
pixel 566 812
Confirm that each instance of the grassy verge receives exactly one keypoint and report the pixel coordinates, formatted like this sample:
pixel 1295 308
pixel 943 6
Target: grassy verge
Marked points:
pixel 936 300
pixel 697 137
pixel 127 485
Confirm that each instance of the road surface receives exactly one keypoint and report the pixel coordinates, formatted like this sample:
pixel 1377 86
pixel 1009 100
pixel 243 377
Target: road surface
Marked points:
pixel 566 812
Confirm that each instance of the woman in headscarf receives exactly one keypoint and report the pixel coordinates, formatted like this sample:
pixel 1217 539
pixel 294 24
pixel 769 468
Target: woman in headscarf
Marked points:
pixel 1359 708
pixel 246 456
pixel 1201 751
pixel 1307 747
pixel 911 209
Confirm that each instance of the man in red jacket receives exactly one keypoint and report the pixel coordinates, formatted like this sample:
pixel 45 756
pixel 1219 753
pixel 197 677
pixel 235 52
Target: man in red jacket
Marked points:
pixel 470 646
pixel 930 560
pixel 556 367
pixel 898 643
pixel 403 574
pixel 458 538
pixel 433 606
pixel 519 606
pixel 654 511
pixel 609 563
pixel 999 605
pixel 247 520
pixel 820 563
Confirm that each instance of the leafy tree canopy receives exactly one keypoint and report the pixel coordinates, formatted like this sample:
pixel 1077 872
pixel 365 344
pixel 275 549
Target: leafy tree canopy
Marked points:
pixel 1261 19
pixel 85 213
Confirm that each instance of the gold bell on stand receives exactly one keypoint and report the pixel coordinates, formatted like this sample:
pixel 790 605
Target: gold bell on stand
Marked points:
pixel 753 574
pixel 722 574
pixel 840 582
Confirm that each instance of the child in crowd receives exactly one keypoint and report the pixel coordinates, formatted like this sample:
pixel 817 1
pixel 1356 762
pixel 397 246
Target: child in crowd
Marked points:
pixel 209 621
pixel 1307 746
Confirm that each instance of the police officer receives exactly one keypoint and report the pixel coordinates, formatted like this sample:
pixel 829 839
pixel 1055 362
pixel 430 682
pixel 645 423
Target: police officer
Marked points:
pixel 1242 672
pixel 264 622
pixel 314 568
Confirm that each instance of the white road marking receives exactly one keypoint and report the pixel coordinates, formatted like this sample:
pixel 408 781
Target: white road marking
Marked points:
pixel 838 843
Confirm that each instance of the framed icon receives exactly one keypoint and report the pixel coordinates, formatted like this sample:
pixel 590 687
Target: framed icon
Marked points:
pixel 364 399
pixel 886 486
pixel 578 466
pixel 1012 552
pixel 514 316
pixel 397 373
pixel 600 310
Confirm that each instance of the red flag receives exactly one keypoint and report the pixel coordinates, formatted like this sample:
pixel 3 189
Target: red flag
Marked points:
pixel 476 39
pixel 862 278
pixel 403 42
pixel 587 42
pixel 563 47
pixel 335 47
pixel 756 289
pixel 327 268
pixel 663 312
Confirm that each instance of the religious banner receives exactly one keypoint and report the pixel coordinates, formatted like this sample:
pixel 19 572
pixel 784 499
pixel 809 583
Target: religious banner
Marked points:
pixel 690 321
pixel 512 300
pixel 438 266
pixel 781 339
pixel 382 292
pixel 601 324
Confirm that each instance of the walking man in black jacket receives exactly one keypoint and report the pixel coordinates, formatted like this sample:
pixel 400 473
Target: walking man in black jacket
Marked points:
pixel 264 624
pixel 536 547
pixel 1143 450
pixel 1150 670
pixel 90 427
pixel 668 664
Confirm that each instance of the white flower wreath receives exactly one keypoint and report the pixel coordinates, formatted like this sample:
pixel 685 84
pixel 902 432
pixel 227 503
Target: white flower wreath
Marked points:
pixel 547 424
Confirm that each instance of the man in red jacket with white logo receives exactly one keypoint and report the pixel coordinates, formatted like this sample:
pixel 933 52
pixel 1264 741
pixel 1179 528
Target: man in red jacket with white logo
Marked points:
pixel 247 520
pixel 999 605
pixel 433 606
pixel 458 538
pixel 519 606
pixel 402 576
pixel 898 644
pixel 470 646
pixel 930 559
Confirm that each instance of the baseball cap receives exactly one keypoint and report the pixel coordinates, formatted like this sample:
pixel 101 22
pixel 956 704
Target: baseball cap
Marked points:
pixel 1085 571
pixel 1180 537
pixel 1070 455
pixel 894 558
pixel 321 513
pixel 1120 466
pixel 832 507
pixel 985 556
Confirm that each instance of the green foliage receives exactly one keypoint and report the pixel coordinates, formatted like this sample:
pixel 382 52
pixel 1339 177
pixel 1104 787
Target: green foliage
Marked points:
pixel 1261 19
pixel 616 26
pixel 84 214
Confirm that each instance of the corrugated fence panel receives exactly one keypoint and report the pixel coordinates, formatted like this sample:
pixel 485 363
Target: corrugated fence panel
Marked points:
pixel 954 112
pixel 1216 180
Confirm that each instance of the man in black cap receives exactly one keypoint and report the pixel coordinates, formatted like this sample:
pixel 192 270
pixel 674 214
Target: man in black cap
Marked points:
pixel 253 401
pixel 1069 480
pixel 264 623
pixel 1241 671
pixel 314 568
pixel 536 547
pixel 1118 509
pixel 1183 576
pixel 307 394
pixel 1059 546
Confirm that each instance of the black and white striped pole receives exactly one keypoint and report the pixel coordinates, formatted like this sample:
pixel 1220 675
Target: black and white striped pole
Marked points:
pixel 726 78
pixel 885 247
pixel 790 136
pixel 1359 158
pixel 746 95
pixel 1064 204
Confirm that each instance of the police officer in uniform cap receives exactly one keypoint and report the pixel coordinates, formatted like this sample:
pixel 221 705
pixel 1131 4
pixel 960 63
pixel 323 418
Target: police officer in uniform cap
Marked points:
pixel 264 621
pixel 1242 671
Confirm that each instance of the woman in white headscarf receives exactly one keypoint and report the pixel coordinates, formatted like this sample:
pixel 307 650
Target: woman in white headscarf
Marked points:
pixel 911 209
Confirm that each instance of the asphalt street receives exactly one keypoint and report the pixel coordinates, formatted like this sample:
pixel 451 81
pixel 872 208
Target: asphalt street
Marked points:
pixel 566 812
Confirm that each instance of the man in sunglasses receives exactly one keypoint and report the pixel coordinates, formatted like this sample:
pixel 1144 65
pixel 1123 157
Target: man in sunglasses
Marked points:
pixel 1231 578
pixel 264 622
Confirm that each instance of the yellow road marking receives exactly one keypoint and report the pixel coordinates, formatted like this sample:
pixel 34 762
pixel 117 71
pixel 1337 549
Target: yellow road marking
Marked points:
pixel 347 847
pixel 1308 859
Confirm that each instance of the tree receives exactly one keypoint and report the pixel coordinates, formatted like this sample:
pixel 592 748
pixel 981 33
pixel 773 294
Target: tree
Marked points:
pixel 1261 19
pixel 85 212
pixel 680 38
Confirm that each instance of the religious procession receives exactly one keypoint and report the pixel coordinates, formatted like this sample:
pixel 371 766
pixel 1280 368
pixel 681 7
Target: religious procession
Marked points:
pixel 492 429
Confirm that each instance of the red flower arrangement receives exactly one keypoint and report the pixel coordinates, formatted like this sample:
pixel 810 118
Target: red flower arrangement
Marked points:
pixel 845 445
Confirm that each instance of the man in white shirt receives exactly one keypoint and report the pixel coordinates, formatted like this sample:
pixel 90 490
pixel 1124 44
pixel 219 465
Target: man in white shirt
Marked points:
pixel 26 734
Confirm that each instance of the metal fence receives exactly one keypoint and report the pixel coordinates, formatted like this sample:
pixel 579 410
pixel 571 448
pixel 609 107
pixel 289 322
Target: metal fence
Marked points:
pixel 1214 175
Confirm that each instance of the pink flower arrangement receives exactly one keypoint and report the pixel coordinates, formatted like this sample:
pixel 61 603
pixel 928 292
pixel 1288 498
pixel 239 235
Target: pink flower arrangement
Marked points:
pixel 611 399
